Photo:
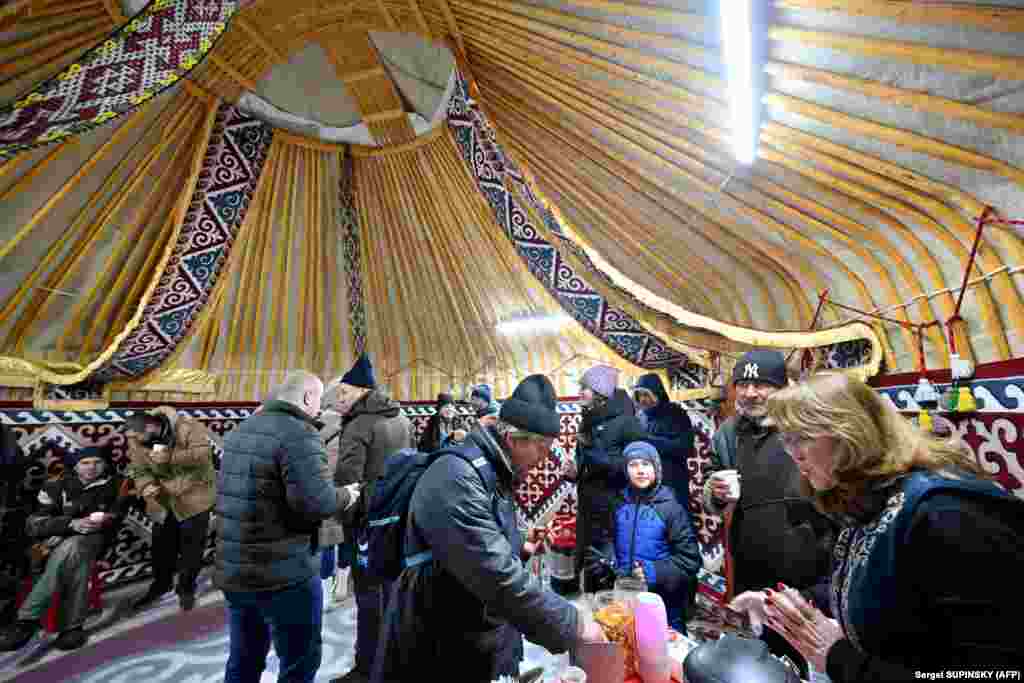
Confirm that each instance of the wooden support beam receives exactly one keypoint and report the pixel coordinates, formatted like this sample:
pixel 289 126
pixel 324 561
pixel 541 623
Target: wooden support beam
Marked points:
pixel 115 11
pixel 989 17
pixel 258 38
pixel 453 27
pixel 198 92
pixel 356 76
pixel 386 13
pixel 421 20
pixel 386 115
pixel 896 136
pixel 911 98
pixel 237 76
pixel 1003 66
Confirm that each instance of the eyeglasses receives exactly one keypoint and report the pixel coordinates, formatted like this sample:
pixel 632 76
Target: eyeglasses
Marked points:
pixel 794 440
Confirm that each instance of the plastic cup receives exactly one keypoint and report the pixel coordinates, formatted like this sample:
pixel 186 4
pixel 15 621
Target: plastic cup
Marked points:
pixel 574 674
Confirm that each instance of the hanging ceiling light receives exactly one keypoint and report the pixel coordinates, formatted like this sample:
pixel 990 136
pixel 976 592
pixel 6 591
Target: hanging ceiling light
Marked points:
pixel 738 37
pixel 532 324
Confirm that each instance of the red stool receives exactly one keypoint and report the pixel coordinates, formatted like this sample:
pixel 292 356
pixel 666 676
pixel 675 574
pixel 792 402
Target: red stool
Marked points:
pixel 51 621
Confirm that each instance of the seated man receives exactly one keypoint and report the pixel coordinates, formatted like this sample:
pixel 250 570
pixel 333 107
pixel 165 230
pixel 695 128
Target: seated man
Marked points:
pixel 76 520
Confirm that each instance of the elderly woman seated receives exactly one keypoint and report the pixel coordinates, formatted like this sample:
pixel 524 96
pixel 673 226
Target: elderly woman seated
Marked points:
pixel 77 518
pixel 927 567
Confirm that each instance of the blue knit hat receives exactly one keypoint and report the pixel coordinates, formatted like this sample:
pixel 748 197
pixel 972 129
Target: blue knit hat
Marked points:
pixel 361 375
pixel 641 450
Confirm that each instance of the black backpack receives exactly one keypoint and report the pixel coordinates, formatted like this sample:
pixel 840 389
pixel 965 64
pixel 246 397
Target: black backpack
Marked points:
pixel 381 541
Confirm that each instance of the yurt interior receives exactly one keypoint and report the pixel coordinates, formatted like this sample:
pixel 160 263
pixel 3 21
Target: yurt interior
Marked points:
pixel 206 203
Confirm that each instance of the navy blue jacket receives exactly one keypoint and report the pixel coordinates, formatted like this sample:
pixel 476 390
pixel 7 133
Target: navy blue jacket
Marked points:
pixel 653 528
pixel 670 431
pixel 273 490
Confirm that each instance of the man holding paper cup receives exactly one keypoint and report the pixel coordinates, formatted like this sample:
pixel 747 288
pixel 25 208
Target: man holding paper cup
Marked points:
pixel 776 535
pixel 172 465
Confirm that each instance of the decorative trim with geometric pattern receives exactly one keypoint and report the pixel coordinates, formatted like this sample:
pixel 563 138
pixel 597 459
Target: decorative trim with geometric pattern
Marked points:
pixel 231 169
pixel 494 172
pixel 137 62
pixel 348 218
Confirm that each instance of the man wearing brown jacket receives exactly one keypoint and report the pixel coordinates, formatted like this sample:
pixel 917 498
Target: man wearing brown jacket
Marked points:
pixel 172 466
pixel 372 429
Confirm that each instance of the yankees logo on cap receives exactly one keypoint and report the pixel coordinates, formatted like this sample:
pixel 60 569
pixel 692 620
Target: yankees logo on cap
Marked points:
pixel 761 365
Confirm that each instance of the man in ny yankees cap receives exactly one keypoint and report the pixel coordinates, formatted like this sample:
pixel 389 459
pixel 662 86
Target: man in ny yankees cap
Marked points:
pixel 776 535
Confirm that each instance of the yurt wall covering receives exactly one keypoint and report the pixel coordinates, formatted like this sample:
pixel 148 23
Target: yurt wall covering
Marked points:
pixel 890 146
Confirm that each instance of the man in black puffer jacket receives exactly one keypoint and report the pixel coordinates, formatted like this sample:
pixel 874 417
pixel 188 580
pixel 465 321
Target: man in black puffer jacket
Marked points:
pixel 273 491
pixel 609 423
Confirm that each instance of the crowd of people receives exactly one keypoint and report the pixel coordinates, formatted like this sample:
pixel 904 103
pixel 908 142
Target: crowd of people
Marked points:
pixel 860 546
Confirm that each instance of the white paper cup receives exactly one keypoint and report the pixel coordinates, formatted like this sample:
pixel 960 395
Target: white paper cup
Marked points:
pixel 732 478
pixel 574 674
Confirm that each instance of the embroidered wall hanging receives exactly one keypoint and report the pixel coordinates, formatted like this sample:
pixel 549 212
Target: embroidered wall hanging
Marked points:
pixel 137 62
pixel 231 169
pixel 493 172
pixel 348 218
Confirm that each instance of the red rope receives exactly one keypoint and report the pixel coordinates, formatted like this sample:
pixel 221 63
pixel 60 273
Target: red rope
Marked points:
pixel 1002 221
pixel 970 261
pixel 901 323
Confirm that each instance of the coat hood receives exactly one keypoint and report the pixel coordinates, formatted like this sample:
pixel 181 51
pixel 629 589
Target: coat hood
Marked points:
pixel 652 383
pixel 376 403
pixel 619 404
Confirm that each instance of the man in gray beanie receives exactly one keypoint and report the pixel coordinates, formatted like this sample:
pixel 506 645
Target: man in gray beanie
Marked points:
pixel 473 600
pixel 776 535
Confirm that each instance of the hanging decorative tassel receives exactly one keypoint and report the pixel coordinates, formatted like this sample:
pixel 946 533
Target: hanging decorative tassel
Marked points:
pixel 965 401
pixel 949 398
pixel 924 421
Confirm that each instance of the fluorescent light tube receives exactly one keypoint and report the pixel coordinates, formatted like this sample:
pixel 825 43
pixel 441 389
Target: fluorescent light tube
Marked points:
pixel 737 39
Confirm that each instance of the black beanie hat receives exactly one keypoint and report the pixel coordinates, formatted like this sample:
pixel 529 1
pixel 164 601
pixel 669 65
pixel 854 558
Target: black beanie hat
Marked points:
pixel 443 400
pixel 532 407
pixel 761 365
pixel 76 457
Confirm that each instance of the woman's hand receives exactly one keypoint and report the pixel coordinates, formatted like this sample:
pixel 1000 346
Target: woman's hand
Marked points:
pixel 803 625
pixel 752 603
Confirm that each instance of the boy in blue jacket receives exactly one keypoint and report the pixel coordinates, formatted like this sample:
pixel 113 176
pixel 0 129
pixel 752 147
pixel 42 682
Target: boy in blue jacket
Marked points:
pixel 653 534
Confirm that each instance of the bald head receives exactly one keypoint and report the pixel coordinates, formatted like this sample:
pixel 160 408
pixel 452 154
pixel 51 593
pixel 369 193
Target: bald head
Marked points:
pixel 303 390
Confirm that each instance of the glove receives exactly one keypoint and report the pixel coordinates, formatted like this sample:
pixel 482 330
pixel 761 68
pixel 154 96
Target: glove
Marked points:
pixel 353 494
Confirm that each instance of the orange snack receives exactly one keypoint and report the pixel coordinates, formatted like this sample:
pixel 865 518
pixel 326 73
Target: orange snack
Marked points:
pixel 617 622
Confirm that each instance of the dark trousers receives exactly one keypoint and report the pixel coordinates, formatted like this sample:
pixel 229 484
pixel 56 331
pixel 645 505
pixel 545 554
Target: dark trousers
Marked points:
pixel 371 601
pixel 179 545
pixel 593 525
pixel 292 618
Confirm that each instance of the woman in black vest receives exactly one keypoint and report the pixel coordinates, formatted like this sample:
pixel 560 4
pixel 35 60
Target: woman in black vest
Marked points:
pixel 927 567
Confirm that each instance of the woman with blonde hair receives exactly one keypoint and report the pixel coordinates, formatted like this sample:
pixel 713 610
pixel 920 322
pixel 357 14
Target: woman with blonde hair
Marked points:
pixel 926 570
